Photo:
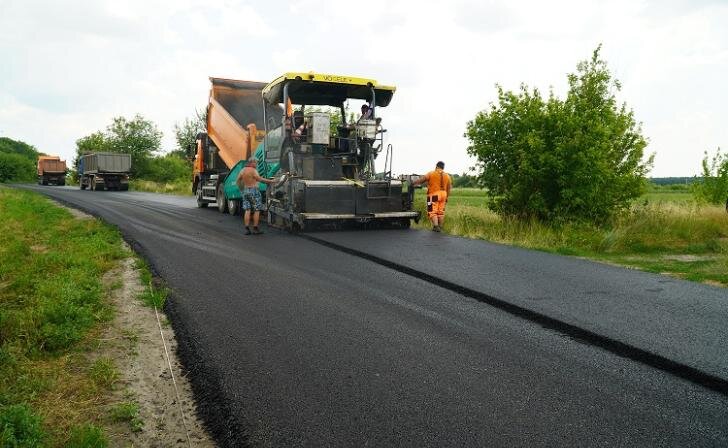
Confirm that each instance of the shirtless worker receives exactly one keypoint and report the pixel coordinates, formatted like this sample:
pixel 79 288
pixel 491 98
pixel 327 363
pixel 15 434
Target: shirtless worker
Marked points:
pixel 438 189
pixel 247 182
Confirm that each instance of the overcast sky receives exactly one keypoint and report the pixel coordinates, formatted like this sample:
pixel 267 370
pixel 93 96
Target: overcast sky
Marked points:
pixel 68 67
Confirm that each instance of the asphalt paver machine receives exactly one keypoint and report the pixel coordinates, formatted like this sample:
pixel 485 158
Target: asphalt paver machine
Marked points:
pixel 326 173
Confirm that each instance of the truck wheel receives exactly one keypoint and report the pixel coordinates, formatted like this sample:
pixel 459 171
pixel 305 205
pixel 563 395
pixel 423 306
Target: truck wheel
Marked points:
pixel 221 202
pixel 81 185
pixel 233 206
pixel 200 202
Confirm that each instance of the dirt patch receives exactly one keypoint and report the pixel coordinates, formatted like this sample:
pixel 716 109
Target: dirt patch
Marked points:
pixel 145 378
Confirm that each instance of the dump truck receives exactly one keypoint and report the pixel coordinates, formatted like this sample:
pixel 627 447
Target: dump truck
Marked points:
pixel 234 128
pixel 104 171
pixel 51 170
pixel 328 176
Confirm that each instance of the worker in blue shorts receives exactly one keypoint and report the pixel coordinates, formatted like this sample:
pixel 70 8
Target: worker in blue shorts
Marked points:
pixel 247 182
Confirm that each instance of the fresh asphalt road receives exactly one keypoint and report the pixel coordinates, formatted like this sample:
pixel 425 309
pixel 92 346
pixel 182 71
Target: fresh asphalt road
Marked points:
pixel 293 342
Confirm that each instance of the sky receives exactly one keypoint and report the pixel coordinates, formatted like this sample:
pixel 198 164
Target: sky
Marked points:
pixel 67 67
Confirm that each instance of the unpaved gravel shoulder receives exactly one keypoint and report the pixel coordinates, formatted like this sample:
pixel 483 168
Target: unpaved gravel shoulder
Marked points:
pixel 133 340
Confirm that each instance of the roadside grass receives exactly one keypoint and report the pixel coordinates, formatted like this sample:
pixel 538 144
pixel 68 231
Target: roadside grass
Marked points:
pixel 155 293
pixel 127 412
pixel 52 311
pixel 181 188
pixel 664 232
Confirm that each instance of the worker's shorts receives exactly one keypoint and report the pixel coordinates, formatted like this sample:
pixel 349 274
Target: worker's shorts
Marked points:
pixel 252 199
pixel 436 204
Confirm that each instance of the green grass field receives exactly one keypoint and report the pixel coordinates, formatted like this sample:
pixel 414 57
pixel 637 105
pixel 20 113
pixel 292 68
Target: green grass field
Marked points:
pixel 52 309
pixel 665 232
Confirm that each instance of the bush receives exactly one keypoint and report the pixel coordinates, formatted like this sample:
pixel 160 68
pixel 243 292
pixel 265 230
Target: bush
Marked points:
pixel 16 168
pixel 551 159
pixel 712 187
pixel 20 427
pixel 169 168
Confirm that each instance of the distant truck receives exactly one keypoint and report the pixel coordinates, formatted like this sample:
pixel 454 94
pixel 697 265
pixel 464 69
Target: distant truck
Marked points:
pixel 51 170
pixel 104 171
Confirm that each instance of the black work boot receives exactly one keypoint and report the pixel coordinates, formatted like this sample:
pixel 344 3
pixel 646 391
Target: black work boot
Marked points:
pixel 247 230
pixel 257 231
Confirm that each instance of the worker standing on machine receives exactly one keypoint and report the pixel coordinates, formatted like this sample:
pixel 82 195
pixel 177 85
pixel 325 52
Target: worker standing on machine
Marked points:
pixel 438 190
pixel 247 182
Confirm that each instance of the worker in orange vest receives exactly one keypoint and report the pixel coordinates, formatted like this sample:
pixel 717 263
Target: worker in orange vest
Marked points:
pixel 438 190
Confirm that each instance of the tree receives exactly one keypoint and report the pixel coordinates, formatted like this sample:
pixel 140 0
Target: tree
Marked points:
pixel 464 181
pixel 186 133
pixel 575 159
pixel 712 187
pixel 139 137
pixel 10 146
pixel 95 142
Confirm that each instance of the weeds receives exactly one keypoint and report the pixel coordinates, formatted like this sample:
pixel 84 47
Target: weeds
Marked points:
pixel 155 293
pixel 87 436
pixel 104 373
pixel 20 426
pixel 127 412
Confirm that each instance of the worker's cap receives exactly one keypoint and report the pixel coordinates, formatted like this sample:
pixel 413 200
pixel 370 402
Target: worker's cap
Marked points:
pixel 440 164
pixel 365 106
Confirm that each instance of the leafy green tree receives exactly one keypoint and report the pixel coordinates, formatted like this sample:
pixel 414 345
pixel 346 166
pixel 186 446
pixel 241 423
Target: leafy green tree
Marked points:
pixel 464 181
pixel 95 142
pixel 580 158
pixel 185 133
pixel 712 187
pixel 139 137
pixel 10 146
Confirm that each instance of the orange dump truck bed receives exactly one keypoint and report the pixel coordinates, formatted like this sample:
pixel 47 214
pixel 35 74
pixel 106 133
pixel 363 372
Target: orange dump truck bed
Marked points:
pixel 51 164
pixel 234 106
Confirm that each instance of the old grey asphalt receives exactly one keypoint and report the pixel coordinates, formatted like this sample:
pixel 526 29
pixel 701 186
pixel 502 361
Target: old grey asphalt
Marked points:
pixel 292 343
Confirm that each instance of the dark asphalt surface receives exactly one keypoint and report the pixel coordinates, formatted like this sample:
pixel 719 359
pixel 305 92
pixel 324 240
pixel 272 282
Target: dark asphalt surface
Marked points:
pixel 683 321
pixel 292 343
